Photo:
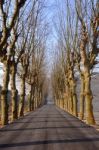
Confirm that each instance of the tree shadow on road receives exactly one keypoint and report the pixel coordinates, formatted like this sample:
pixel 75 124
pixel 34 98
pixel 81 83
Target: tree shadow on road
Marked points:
pixel 84 140
pixel 44 128
pixel 38 121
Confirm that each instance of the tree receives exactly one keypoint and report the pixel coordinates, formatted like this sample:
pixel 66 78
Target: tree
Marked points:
pixel 29 70
pixel 88 53
pixel 7 43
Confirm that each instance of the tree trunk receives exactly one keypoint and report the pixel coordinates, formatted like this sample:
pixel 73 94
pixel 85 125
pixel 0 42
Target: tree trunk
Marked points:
pixel 70 98
pixel 4 97
pixel 30 98
pixel 14 92
pixel 82 98
pixel 75 105
pixel 66 104
pixel 38 100
pixel 67 97
pixel 22 98
pixel 74 99
pixel 32 103
pixel 35 98
pixel 70 102
pixel 88 98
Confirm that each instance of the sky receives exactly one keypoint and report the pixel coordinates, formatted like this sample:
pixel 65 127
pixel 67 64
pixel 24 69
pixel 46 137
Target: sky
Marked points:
pixel 50 10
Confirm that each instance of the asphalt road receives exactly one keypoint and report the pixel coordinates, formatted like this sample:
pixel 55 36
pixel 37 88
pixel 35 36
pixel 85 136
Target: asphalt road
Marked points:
pixel 49 128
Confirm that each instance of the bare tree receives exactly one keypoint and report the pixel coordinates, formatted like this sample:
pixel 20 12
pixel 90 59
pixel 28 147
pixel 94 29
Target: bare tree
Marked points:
pixel 7 43
pixel 87 52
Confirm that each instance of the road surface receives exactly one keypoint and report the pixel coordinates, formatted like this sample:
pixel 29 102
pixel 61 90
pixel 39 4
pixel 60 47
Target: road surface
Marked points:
pixel 49 128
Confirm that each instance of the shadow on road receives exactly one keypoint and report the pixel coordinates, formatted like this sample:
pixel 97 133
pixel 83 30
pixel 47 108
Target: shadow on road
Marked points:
pixel 49 142
pixel 43 128
pixel 37 121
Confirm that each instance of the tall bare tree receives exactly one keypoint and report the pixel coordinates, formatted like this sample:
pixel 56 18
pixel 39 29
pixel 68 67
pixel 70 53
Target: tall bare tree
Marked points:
pixel 87 52
pixel 7 44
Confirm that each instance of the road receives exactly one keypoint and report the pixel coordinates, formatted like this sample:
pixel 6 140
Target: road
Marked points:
pixel 49 128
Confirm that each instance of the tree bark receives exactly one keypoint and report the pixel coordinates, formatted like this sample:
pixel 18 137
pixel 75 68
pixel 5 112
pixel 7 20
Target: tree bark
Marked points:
pixel 30 99
pixel 22 98
pixel 71 98
pixel 32 103
pixel 70 102
pixel 4 95
pixel 88 98
pixel 75 111
pixel 14 92
pixel 82 98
